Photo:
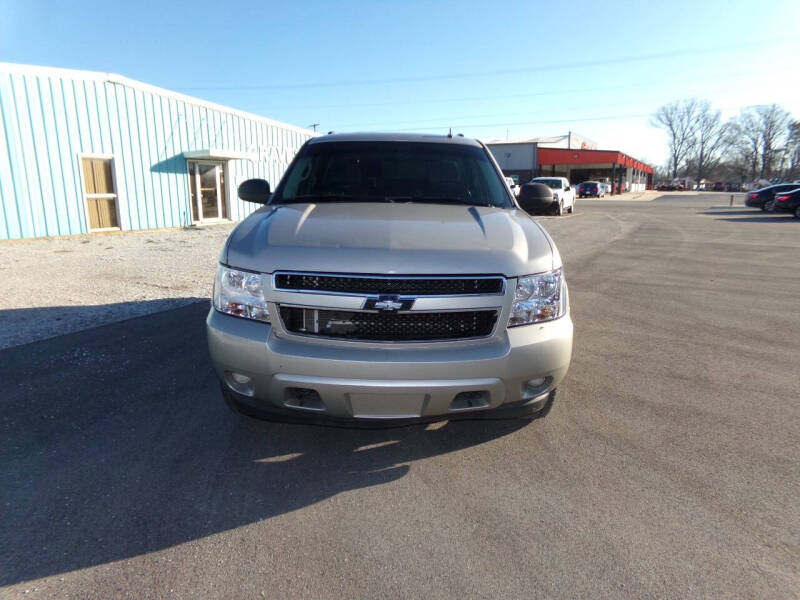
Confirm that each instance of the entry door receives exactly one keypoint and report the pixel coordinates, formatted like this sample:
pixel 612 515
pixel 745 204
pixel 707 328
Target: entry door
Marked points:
pixel 207 188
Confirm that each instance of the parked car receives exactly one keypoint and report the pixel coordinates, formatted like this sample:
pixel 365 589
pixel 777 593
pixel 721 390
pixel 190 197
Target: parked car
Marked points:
pixel 378 286
pixel 563 194
pixel 718 187
pixel 763 198
pixel 733 187
pixel 512 185
pixel 788 201
pixel 591 189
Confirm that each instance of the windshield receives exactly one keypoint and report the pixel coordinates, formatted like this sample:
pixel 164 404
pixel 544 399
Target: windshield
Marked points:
pixel 393 172
pixel 551 183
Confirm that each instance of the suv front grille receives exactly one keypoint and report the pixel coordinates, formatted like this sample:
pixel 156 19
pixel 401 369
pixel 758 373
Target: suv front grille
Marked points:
pixel 402 286
pixel 389 327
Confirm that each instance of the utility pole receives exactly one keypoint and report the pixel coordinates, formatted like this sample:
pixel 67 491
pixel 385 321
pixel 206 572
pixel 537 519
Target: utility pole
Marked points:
pixel 314 126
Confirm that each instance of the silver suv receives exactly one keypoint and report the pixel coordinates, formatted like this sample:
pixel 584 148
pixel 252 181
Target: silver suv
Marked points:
pixel 389 278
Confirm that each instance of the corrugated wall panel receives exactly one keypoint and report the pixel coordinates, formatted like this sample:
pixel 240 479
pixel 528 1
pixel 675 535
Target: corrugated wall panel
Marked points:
pixel 38 223
pixel 51 118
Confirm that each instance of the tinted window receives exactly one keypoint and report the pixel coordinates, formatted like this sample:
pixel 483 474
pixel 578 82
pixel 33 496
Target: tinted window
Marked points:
pixel 393 171
pixel 551 183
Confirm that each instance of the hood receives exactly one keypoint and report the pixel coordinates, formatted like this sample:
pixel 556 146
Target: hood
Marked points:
pixel 383 238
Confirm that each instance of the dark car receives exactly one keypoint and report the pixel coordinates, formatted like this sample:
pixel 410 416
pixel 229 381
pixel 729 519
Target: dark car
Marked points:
pixel 764 197
pixel 788 201
pixel 718 187
pixel 591 189
pixel 733 187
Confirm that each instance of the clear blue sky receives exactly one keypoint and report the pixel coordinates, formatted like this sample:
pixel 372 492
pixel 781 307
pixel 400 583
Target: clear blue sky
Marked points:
pixel 488 69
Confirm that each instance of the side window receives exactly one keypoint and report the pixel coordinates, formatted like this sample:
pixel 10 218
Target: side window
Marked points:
pixel 101 197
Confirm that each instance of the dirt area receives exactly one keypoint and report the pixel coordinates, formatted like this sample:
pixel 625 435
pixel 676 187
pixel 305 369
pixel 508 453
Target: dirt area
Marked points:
pixel 55 286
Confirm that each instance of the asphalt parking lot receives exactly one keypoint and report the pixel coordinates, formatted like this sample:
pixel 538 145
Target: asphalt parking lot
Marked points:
pixel 669 466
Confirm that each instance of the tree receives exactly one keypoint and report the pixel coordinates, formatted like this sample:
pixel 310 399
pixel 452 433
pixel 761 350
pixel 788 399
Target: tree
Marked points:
pixel 709 139
pixel 747 132
pixel 793 151
pixel 773 125
pixel 678 120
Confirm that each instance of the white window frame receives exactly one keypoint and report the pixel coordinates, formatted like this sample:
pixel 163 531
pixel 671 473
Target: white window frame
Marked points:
pixel 219 166
pixel 85 196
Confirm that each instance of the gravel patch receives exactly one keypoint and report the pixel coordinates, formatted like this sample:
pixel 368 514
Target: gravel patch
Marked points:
pixel 51 287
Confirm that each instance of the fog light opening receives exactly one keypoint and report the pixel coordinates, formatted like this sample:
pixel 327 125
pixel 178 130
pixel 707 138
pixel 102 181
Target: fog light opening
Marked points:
pixel 535 387
pixel 240 383
pixel 304 399
pixel 471 400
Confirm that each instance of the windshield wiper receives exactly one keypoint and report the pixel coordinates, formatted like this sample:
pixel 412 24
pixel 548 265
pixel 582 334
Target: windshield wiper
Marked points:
pixel 320 198
pixel 331 198
pixel 435 200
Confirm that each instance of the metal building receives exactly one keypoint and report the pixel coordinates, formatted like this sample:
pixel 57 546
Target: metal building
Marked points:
pixel 84 151
pixel 524 160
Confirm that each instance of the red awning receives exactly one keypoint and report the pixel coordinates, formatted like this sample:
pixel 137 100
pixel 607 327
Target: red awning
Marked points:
pixel 562 156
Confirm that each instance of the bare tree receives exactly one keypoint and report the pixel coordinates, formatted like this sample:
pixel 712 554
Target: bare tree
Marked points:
pixel 746 131
pixel 678 120
pixel 793 151
pixel 709 140
pixel 774 122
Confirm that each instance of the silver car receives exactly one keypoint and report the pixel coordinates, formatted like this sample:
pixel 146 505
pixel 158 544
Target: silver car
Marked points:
pixel 388 279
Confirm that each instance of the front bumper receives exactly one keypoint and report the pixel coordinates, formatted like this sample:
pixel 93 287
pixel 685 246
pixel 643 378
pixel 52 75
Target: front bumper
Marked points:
pixel 359 381
pixel 754 202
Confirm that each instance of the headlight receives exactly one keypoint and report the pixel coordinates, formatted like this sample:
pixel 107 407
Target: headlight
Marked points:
pixel 240 293
pixel 538 298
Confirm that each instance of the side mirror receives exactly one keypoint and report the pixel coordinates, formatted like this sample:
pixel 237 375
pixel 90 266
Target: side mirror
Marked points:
pixel 535 198
pixel 254 190
pixel 529 205
pixel 567 189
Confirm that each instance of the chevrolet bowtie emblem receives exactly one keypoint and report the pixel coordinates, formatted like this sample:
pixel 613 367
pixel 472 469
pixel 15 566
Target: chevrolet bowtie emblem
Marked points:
pixel 389 303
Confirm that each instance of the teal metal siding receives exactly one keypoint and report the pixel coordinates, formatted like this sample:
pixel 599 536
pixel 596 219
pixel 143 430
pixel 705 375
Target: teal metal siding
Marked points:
pixel 51 118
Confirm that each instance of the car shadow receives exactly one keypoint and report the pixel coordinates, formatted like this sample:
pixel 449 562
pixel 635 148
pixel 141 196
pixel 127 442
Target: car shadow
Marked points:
pixel 731 211
pixel 767 218
pixel 753 215
pixel 116 443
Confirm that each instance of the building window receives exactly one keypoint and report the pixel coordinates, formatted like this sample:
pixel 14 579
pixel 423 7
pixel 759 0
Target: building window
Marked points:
pixel 101 199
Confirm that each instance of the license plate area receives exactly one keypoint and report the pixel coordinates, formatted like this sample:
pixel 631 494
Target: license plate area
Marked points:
pixel 387 405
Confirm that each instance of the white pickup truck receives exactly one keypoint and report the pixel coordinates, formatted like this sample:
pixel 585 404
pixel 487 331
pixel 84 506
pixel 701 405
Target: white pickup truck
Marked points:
pixel 563 192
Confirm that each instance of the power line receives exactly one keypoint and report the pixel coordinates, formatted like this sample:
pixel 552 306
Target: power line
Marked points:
pixel 660 99
pixel 549 92
pixel 477 74
pixel 550 122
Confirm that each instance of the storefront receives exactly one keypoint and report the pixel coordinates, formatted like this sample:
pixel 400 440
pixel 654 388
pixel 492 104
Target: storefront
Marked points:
pixel 83 152
pixel 526 160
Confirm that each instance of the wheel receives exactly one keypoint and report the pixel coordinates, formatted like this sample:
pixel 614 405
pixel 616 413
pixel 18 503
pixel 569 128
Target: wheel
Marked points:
pixel 571 208
pixel 560 209
pixel 769 206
